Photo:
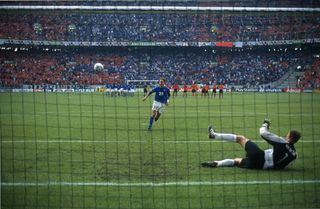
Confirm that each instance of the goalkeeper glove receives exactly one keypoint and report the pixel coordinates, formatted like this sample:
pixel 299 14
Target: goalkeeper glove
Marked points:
pixel 267 123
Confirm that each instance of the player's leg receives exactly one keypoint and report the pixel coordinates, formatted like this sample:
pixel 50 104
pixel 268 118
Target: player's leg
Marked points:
pixel 242 140
pixel 152 117
pixel 155 107
pixel 160 111
pixel 157 116
pixel 227 137
pixel 222 163
pixel 221 136
pixel 254 157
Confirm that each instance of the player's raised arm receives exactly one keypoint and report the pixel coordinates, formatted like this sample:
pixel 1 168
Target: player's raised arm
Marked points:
pixel 271 138
pixel 144 98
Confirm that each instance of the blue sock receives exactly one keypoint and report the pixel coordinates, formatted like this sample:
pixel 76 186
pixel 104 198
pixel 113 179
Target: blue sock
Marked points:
pixel 150 121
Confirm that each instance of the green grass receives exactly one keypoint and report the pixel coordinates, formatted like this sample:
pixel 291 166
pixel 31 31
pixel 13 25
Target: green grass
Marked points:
pixel 93 151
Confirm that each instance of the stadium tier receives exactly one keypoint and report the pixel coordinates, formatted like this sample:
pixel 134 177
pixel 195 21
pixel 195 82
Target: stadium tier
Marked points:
pixel 245 68
pixel 231 3
pixel 164 27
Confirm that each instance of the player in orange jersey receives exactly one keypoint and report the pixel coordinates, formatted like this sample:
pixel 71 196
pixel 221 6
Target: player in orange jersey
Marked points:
pixel 175 90
pixel 194 89
pixel 185 90
pixel 214 90
pixel 206 88
pixel 221 87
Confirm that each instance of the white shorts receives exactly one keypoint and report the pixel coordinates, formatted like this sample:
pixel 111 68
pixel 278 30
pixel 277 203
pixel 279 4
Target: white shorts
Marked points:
pixel 157 106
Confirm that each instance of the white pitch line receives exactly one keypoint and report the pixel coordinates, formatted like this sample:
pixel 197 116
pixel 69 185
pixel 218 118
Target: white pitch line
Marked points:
pixel 90 114
pixel 71 141
pixel 155 141
pixel 160 184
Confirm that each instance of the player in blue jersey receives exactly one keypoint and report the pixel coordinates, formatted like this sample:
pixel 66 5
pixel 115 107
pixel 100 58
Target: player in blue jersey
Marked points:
pixel 280 156
pixel 161 100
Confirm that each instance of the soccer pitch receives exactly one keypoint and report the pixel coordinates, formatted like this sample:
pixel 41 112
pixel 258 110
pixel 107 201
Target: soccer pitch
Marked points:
pixel 88 150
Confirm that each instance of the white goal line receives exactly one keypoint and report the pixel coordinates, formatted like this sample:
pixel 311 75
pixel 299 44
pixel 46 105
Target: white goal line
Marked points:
pixel 160 184
pixel 155 141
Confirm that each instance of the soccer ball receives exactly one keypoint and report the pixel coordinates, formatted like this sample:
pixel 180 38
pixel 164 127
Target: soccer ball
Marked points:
pixel 98 67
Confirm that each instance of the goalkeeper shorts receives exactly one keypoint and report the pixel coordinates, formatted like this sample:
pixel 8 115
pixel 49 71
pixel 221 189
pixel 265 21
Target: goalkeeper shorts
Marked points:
pixel 254 157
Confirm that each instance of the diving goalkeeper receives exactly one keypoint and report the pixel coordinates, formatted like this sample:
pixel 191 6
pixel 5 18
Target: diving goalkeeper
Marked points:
pixel 280 156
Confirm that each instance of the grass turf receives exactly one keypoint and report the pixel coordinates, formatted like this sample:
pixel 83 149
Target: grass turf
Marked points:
pixel 87 150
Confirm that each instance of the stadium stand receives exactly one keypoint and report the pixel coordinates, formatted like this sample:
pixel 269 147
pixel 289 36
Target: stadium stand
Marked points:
pixel 194 64
pixel 311 76
pixel 178 66
pixel 237 3
pixel 158 27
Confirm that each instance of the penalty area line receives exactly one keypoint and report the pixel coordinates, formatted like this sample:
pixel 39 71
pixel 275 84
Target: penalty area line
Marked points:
pixel 153 184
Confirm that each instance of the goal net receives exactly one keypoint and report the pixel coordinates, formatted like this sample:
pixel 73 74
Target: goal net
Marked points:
pixel 72 137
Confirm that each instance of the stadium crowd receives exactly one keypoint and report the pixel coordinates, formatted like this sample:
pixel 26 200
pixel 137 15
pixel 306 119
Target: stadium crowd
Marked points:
pixel 311 76
pixel 189 66
pixel 160 27
pixel 181 67
pixel 206 3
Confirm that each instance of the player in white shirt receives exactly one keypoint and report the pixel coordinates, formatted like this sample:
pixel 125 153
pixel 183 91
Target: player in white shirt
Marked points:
pixel 281 155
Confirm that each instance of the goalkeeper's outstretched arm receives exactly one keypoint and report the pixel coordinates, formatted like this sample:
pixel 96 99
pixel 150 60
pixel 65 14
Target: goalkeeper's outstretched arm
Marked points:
pixel 271 138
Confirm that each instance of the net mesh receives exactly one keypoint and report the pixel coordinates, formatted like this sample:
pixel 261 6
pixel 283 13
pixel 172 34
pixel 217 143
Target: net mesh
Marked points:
pixel 72 137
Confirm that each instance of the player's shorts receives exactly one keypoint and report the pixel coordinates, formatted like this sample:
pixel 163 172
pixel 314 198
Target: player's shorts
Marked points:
pixel 221 91
pixel 214 91
pixel 193 90
pixel 158 106
pixel 254 157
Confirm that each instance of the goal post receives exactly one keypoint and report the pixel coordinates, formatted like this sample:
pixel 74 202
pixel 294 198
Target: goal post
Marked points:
pixel 139 84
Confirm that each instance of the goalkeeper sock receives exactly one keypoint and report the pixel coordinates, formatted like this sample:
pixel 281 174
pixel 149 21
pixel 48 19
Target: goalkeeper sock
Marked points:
pixel 225 163
pixel 226 137
pixel 150 121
